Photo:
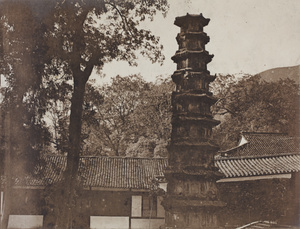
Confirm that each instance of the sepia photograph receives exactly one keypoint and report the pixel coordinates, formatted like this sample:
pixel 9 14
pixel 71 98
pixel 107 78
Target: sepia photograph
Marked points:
pixel 149 114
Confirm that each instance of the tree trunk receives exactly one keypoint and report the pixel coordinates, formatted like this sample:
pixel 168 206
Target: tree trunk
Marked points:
pixel 64 220
pixel 7 173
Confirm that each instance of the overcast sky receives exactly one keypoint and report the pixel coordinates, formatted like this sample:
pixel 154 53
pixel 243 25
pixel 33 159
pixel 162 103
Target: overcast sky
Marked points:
pixel 247 36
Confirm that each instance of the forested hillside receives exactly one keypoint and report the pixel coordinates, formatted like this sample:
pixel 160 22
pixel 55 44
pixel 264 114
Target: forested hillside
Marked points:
pixel 255 105
pixel 276 74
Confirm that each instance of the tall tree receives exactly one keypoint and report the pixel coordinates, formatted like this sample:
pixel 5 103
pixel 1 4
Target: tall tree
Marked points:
pixel 86 35
pixel 21 65
pixel 112 122
pixel 152 120
pixel 133 119
pixel 57 93
pixel 251 104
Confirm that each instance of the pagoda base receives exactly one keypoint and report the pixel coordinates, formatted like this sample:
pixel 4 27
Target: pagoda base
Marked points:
pixel 191 220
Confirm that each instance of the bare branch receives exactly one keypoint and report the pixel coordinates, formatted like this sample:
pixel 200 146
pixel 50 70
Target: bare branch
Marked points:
pixel 124 20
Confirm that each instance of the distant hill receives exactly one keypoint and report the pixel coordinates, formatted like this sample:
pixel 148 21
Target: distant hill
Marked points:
pixel 276 74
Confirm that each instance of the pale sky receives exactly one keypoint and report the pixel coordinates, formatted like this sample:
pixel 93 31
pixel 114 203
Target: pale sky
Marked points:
pixel 247 36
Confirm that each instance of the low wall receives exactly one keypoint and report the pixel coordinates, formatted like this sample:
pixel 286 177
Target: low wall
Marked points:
pixel 25 221
pixel 146 223
pixel 109 222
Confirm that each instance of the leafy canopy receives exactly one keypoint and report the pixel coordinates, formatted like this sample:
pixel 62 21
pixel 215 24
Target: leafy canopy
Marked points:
pixel 87 34
pixel 251 104
pixel 128 117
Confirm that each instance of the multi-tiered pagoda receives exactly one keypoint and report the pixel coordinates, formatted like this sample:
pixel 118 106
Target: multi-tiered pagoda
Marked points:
pixel 192 199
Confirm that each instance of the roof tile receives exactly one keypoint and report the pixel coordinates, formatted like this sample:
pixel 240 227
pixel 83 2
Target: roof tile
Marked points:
pixel 262 154
pixel 264 144
pixel 258 166
pixel 105 172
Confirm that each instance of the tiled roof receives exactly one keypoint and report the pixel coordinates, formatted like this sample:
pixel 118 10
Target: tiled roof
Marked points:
pixel 263 224
pixel 263 154
pixel 260 154
pixel 104 172
pixel 241 167
pixel 265 144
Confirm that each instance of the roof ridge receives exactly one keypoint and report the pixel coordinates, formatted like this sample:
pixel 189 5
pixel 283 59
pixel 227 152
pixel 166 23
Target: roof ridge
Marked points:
pixel 264 133
pixel 104 171
pixel 267 142
pixel 112 157
pixel 234 148
pixel 219 158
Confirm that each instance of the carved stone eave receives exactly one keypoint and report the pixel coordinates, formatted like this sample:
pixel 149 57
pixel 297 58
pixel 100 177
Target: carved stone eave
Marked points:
pixel 207 146
pixel 212 174
pixel 194 172
pixel 187 73
pixel 193 35
pixel 191 115
pixel 174 203
pixel 193 94
pixel 194 119
pixel 202 146
pixel 184 54
pixel 181 21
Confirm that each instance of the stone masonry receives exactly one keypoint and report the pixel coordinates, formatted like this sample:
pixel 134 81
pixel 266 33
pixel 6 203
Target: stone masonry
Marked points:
pixel 192 199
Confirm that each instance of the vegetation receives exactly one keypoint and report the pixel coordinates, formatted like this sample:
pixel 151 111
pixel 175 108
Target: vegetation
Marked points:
pixel 79 44
pixel 47 56
pixel 23 131
pixel 251 201
pixel 132 118
pixel 77 37
pixel 252 104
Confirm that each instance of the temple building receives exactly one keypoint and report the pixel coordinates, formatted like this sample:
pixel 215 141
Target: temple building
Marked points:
pixel 260 184
pixel 255 184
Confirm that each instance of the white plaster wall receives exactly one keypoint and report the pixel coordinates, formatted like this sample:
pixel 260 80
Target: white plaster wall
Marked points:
pixel 146 223
pixel 25 221
pixel 1 203
pixel 160 208
pixel 109 222
pixel 136 206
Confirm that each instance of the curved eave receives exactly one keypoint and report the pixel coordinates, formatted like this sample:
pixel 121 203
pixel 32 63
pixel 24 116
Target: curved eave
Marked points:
pixel 182 173
pixel 196 74
pixel 194 35
pixel 248 167
pixel 202 145
pixel 187 73
pixel 195 119
pixel 183 54
pixel 181 21
pixel 187 95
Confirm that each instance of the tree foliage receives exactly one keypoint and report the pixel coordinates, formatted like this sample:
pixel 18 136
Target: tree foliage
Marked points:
pixel 85 35
pixel 251 104
pixel 133 119
pixel 255 201
pixel 48 53
pixel 22 103
pixel 75 37
pixel 23 131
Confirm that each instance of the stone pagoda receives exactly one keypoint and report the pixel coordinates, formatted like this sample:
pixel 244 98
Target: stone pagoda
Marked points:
pixel 192 199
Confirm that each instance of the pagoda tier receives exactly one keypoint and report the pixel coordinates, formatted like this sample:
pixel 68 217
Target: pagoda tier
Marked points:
pixel 192 199
pixel 187 80
pixel 192 120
